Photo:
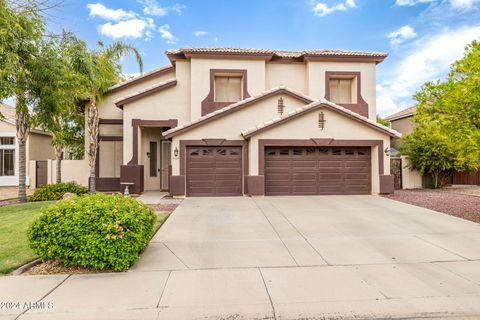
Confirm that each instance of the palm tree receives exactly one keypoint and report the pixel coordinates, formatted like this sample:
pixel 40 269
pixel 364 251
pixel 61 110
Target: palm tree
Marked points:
pixel 100 69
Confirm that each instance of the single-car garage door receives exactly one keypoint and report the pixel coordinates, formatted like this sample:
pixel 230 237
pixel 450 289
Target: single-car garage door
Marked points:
pixel 317 170
pixel 214 171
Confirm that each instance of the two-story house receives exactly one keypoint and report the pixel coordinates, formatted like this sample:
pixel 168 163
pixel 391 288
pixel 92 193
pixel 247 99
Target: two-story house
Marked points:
pixel 231 122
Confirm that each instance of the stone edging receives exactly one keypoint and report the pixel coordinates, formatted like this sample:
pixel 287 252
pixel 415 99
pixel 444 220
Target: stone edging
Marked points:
pixel 26 267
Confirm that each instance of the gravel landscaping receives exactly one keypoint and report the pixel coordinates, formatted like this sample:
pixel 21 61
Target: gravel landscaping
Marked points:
pixel 459 205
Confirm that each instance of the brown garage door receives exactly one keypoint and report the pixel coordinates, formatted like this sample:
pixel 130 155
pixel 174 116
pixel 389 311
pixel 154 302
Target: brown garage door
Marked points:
pixel 214 171
pixel 317 170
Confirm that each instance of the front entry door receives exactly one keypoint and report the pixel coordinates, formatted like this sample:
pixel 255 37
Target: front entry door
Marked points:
pixel 166 161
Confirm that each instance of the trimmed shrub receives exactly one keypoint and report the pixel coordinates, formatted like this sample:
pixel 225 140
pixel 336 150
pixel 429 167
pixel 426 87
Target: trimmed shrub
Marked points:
pixel 50 192
pixel 98 231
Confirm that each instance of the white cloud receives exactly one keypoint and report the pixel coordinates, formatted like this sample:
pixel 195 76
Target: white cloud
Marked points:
pixel 133 28
pixel 456 4
pixel 166 34
pixel 100 11
pixel 402 34
pixel 411 2
pixel 322 9
pixel 463 4
pixel 153 8
pixel 200 33
pixel 428 59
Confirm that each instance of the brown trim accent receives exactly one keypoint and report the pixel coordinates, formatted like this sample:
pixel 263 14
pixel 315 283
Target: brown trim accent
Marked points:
pixel 136 123
pixel 110 121
pixel 177 185
pixel 110 138
pixel 209 104
pixel 240 106
pixel 262 143
pixel 313 108
pixel 255 185
pixel 361 107
pixel 387 184
pixel 133 174
pixel 121 102
pixel 140 79
pixel 214 142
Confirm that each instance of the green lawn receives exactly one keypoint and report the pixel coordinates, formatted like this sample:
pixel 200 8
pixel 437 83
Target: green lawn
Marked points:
pixel 161 217
pixel 14 222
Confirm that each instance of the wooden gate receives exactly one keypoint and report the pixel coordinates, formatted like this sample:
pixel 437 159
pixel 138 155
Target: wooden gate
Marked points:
pixel 396 170
pixel 41 174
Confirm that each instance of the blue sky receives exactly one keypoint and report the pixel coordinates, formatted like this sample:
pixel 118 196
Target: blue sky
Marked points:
pixel 422 37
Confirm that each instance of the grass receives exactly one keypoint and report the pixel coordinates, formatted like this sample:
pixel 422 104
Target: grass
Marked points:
pixel 161 217
pixel 15 219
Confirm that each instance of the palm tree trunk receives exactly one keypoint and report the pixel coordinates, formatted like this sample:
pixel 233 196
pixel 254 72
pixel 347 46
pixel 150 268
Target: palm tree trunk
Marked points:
pixel 22 127
pixel 58 168
pixel 92 127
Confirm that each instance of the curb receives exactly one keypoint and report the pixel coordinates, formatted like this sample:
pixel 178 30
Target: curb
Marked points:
pixel 26 267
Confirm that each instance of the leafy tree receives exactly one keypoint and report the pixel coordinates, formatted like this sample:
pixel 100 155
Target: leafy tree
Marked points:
pixel 100 69
pixel 447 122
pixel 382 121
pixel 57 86
pixel 21 31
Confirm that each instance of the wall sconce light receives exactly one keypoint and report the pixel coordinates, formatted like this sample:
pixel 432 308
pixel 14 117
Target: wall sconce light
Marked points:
pixel 387 151
pixel 321 120
pixel 175 152
pixel 148 154
pixel 280 106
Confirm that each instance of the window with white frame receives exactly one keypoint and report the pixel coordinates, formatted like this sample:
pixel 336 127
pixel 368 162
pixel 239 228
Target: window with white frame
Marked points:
pixel 7 156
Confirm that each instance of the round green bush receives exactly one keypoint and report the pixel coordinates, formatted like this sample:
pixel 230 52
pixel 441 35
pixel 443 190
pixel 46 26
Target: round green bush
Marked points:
pixel 50 192
pixel 99 231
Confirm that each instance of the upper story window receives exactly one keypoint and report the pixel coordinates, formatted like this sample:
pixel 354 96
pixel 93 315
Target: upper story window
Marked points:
pixel 228 88
pixel 343 90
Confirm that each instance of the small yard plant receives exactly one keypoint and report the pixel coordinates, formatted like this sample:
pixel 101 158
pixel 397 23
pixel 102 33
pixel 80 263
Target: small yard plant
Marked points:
pixel 97 231
pixel 51 192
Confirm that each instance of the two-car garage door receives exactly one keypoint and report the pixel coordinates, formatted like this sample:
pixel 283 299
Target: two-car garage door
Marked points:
pixel 217 171
pixel 317 170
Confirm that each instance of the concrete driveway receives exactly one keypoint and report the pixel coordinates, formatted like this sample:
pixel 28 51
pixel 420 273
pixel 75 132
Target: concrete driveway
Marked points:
pixel 315 257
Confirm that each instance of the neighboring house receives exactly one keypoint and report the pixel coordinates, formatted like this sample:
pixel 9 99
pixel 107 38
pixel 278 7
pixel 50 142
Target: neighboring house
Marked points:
pixel 402 122
pixel 230 122
pixel 38 147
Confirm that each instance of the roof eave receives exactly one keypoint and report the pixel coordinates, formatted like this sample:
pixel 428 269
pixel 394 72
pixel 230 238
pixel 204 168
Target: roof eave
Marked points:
pixel 122 101
pixel 128 83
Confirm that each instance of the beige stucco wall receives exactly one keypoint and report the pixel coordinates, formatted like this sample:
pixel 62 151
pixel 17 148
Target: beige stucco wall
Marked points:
pixel 40 147
pixel 108 110
pixel 411 179
pixel 291 75
pixel 200 77
pixel 336 127
pixel 316 80
pixel 231 126
pixel 72 170
pixel 171 103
